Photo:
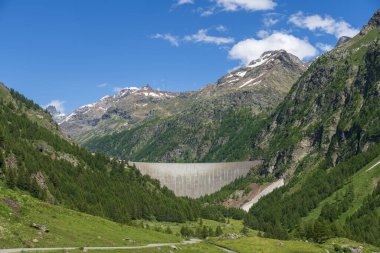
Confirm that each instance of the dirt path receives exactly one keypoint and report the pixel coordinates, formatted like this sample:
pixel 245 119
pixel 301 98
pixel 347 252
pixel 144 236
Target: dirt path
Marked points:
pixel 152 245
pixel 266 191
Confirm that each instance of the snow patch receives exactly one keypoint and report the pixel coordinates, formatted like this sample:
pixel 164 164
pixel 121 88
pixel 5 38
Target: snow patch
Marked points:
pixel 241 73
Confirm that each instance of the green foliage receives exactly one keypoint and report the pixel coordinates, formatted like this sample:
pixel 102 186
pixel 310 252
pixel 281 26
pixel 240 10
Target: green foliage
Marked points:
pixel 21 99
pixel 280 212
pixel 94 185
pixel 241 183
pixel 229 139
pixel 364 224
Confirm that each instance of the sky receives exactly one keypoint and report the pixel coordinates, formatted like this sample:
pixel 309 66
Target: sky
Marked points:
pixel 73 52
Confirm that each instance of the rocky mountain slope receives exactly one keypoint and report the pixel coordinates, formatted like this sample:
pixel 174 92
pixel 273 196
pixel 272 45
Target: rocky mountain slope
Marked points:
pixel 212 119
pixel 332 111
pixel 121 111
pixel 324 139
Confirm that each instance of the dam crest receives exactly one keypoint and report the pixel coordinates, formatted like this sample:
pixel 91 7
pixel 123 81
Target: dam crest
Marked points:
pixel 195 179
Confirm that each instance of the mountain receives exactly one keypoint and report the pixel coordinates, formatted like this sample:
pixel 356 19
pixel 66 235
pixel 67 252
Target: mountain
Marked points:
pixel 331 112
pixel 213 123
pixel 122 111
pixel 57 115
pixel 324 139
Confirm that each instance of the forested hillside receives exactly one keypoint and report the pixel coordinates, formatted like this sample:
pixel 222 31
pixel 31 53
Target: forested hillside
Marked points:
pixel 37 160
pixel 322 139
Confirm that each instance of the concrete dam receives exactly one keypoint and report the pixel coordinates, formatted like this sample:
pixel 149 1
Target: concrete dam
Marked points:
pixel 195 179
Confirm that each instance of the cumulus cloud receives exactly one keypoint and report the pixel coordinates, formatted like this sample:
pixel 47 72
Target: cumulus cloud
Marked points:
pixel 323 24
pixel 168 37
pixel 248 5
pixel 250 49
pixel 324 47
pixel 202 37
pixel 58 104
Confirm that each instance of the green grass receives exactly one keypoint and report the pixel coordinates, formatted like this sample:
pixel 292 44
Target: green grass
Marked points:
pixel 264 245
pixel 67 227
pixel 234 226
pixel 363 182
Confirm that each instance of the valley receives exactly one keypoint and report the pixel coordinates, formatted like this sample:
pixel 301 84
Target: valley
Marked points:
pixel 278 155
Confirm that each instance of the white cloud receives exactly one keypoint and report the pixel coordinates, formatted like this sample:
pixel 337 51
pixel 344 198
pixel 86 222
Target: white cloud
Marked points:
pixel 250 49
pixel 248 5
pixel 221 28
pixel 325 24
pixel 268 21
pixel 206 12
pixel 201 36
pixel 262 34
pixel 324 47
pixel 168 37
pixel 102 85
pixel 182 2
pixel 58 104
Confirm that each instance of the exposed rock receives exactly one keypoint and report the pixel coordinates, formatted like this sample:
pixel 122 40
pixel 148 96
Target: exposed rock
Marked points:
pixel 232 236
pixel 374 22
pixel 342 40
pixel 35 240
pixel 12 203
pixel 40 227
pixel 354 249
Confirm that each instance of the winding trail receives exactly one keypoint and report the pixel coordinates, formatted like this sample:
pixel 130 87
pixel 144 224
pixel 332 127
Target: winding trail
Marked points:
pixel 152 245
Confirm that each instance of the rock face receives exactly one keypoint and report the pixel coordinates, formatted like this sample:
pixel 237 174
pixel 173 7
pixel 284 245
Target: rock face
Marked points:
pixel 57 115
pixel 342 40
pixel 373 23
pixel 329 113
pixel 202 121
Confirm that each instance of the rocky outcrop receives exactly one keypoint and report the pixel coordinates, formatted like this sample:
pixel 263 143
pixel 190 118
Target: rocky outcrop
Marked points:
pixel 342 40
pixel 373 23
pixel 329 112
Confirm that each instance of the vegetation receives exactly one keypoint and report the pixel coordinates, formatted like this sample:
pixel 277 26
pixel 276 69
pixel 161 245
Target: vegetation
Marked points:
pixel 18 211
pixel 227 139
pixel 239 184
pixel 280 213
pixel 52 169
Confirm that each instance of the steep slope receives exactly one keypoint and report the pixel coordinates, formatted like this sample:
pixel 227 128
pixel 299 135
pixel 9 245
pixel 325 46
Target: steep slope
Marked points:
pixel 324 139
pixel 331 113
pixel 121 111
pixel 38 160
pixel 67 228
pixel 217 120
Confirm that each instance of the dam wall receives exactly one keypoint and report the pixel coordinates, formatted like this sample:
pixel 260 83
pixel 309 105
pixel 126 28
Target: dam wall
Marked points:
pixel 195 179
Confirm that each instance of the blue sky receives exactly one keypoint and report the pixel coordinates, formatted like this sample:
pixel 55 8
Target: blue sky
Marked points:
pixel 75 51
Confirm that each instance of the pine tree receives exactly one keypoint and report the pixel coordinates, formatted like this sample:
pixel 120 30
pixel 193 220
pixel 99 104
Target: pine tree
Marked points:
pixel 218 231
